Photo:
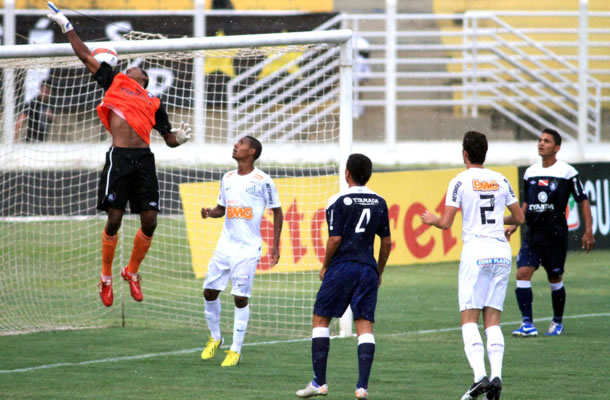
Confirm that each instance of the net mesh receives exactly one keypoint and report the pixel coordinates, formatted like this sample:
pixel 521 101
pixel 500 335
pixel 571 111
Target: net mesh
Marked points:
pixel 54 149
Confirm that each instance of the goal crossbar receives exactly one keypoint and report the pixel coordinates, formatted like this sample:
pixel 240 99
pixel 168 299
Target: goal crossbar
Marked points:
pixel 185 44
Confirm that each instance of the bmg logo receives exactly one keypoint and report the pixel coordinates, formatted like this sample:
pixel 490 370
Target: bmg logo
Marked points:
pixel 239 212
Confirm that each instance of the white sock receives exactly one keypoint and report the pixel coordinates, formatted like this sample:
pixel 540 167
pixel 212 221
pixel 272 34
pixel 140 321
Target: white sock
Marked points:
pixel 495 350
pixel 106 277
pixel 475 352
pixel 212 316
pixel 556 286
pixel 240 325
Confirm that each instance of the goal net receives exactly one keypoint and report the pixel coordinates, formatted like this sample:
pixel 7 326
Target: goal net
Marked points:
pixel 288 90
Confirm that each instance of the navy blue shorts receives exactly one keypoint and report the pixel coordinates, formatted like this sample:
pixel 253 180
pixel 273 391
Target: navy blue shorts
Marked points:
pixel 550 251
pixel 348 284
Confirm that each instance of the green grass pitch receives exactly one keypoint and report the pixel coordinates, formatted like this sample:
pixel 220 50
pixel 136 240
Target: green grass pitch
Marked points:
pixel 419 350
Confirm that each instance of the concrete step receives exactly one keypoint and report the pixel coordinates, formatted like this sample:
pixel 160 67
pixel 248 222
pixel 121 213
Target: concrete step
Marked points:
pixel 426 124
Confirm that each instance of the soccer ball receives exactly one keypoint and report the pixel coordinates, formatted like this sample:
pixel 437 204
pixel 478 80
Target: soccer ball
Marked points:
pixel 106 54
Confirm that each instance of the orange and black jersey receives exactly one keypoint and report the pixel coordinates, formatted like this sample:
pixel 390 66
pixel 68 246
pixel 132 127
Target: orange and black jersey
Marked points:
pixel 123 95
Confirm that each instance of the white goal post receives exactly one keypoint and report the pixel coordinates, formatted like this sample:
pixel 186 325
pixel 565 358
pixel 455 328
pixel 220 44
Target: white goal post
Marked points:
pixel 292 90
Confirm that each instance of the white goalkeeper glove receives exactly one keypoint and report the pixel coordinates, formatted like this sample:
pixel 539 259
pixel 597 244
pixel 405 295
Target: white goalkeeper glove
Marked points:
pixel 59 18
pixel 183 134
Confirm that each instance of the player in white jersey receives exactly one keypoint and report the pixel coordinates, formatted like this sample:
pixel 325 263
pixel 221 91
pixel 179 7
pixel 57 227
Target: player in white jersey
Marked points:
pixel 244 195
pixel 486 258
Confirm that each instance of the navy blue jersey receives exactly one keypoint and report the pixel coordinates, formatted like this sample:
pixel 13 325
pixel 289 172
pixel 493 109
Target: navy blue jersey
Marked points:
pixel 547 192
pixel 357 215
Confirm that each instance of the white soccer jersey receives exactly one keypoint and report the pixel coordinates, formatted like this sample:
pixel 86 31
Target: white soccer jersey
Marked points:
pixel 482 194
pixel 244 198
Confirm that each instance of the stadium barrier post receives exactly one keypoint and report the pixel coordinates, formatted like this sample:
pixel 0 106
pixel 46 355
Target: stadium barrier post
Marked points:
pixel 8 82
pixel 390 79
pixel 199 111
pixel 345 144
pixel 583 38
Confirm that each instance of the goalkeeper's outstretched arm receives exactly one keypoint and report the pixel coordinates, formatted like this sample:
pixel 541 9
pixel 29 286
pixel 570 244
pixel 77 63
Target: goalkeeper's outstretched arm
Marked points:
pixel 80 49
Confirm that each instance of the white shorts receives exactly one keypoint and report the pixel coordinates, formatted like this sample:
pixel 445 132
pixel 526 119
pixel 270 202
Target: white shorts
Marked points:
pixel 484 272
pixel 241 271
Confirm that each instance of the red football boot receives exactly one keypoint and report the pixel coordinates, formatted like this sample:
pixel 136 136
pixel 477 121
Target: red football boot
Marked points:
pixel 106 292
pixel 134 284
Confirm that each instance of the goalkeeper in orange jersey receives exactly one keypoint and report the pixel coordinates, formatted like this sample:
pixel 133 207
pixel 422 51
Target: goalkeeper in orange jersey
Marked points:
pixel 129 112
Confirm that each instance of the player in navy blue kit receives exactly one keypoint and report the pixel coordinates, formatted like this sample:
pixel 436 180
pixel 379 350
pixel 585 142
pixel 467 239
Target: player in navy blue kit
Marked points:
pixel 548 186
pixel 350 275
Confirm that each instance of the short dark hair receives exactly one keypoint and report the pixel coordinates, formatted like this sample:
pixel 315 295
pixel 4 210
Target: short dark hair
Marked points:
pixel 146 75
pixel 555 134
pixel 475 144
pixel 360 168
pixel 256 145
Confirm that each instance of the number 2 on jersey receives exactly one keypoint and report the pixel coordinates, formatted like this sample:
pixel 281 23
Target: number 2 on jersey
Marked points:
pixel 485 209
pixel 365 217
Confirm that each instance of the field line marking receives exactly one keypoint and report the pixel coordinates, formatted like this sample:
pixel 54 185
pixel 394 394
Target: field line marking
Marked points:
pixel 194 350
pixel 458 328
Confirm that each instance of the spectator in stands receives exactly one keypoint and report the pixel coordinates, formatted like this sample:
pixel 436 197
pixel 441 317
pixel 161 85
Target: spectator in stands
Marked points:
pixel 222 5
pixel 38 117
pixel 361 70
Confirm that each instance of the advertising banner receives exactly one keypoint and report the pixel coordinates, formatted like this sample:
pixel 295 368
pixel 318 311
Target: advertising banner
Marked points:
pixel 304 5
pixel 408 194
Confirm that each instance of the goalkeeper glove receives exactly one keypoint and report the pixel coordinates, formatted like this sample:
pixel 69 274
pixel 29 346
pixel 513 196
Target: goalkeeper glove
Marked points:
pixel 59 18
pixel 183 134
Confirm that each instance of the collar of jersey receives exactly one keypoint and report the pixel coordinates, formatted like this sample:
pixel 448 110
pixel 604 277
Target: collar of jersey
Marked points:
pixel 359 189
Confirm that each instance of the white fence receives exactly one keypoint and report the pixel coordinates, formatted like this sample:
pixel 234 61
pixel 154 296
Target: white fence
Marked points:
pixel 528 72
pixel 526 66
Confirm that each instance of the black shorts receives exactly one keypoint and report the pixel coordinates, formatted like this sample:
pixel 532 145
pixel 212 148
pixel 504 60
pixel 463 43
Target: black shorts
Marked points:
pixel 547 249
pixel 129 175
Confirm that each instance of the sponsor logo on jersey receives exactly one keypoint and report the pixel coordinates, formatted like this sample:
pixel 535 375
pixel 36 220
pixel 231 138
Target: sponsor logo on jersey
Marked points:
pixel 269 193
pixel 348 201
pixel 572 216
pixel 510 188
pixel 456 188
pixel 540 208
pixel 493 261
pixel 236 212
pixel 485 186
pixel 543 182
pixel 532 182
pixel 365 200
pixel 543 197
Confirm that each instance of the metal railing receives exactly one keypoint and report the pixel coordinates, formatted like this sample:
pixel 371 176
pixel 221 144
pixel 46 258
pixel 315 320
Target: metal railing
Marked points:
pixel 528 72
